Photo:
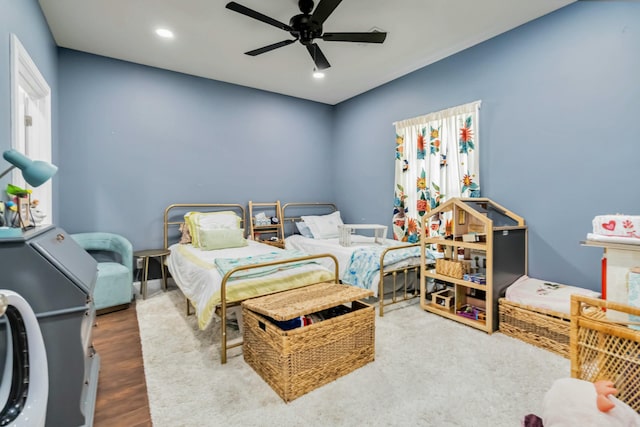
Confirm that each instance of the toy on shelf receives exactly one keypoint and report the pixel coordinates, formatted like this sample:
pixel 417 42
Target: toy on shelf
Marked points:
pixel 21 205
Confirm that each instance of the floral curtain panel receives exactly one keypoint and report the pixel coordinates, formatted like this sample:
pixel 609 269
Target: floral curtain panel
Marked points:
pixel 436 159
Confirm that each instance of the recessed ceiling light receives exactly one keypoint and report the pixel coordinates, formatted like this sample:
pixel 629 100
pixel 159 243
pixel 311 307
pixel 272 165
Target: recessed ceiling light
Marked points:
pixel 318 74
pixel 164 33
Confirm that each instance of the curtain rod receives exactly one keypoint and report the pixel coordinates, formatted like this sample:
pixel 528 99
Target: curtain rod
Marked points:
pixel 446 110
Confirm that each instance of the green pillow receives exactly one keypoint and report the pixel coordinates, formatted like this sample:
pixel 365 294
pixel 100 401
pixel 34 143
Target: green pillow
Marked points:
pixel 221 238
pixel 220 219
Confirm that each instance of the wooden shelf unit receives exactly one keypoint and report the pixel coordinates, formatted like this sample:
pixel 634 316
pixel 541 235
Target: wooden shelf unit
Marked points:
pixel 492 233
pixel 265 233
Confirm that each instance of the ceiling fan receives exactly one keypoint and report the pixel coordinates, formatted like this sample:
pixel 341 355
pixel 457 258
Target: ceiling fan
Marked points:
pixel 306 27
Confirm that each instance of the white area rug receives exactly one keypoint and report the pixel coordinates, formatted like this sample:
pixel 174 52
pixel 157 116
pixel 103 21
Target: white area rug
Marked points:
pixel 429 371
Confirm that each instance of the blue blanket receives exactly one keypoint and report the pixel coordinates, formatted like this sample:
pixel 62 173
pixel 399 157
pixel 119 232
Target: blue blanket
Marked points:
pixel 364 264
pixel 225 265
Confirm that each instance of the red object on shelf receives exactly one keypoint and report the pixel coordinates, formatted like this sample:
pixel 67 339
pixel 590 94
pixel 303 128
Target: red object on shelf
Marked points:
pixel 604 277
pixel 604 280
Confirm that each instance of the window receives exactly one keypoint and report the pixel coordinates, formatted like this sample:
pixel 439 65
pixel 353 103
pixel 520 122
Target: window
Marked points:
pixel 437 158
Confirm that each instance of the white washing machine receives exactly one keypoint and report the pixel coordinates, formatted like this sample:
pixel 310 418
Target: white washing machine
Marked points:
pixel 24 385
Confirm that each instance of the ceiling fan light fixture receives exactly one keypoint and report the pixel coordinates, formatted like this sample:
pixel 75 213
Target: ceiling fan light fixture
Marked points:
pixel 164 33
pixel 317 74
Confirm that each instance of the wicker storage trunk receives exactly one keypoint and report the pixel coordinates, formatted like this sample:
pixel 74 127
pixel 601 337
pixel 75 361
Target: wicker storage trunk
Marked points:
pixel 294 362
pixel 603 350
pixel 543 328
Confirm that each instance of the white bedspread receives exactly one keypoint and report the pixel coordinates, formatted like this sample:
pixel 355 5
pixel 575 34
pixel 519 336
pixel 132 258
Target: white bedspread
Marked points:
pixel 344 253
pixel 198 278
pixel 545 294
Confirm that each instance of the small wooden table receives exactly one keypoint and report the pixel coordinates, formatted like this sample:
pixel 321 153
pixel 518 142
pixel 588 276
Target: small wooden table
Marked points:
pixel 145 255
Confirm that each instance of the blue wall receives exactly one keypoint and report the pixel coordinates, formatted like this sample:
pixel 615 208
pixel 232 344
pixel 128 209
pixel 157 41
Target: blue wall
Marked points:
pixel 25 19
pixel 135 139
pixel 558 127
pixel 558 136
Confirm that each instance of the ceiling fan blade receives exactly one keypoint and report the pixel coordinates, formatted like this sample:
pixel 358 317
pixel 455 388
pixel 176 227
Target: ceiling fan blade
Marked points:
pixel 269 48
pixel 375 37
pixel 318 57
pixel 323 10
pixel 257 15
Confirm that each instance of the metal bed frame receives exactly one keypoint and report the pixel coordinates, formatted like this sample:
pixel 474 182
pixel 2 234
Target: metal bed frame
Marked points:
pixel 171 221
pixel 396 296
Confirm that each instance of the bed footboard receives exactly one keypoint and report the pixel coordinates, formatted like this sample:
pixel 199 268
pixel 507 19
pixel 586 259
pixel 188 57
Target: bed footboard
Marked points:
pixel 224 304
pixel 402 292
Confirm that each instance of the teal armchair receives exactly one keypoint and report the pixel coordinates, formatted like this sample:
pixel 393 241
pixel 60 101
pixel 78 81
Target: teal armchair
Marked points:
pixel 114 253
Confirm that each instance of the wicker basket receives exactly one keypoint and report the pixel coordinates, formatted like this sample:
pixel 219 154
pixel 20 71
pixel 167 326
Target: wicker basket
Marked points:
pixel 602 349
pixel 449 268
pixel 543 328
pixel 294 362
pixel 444 298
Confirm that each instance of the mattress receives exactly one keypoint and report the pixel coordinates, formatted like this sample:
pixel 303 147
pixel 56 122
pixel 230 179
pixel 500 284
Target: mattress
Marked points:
pixel 545 294
pixel 195 272
pixel 368 279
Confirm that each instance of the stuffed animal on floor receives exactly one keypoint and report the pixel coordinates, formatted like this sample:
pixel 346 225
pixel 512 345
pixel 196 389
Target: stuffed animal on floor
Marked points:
pixel 571 402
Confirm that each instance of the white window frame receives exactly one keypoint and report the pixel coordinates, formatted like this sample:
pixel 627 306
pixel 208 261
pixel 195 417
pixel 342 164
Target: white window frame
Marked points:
pixel 25 75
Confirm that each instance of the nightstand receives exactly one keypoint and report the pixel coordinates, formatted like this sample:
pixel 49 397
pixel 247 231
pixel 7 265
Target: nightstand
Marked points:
pixel 145 255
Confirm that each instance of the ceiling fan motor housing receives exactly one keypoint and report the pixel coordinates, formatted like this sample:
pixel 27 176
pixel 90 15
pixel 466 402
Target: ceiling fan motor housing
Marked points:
pixel 304 28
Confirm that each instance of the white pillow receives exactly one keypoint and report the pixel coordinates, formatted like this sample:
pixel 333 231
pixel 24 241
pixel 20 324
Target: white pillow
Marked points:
pixel 324 226
pixel 211 220
pixel 304 229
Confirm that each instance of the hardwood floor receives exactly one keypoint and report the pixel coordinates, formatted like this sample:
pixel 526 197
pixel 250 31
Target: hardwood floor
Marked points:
pixel 122 391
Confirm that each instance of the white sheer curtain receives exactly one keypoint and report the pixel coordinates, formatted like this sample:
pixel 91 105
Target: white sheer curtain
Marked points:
pixel 436 158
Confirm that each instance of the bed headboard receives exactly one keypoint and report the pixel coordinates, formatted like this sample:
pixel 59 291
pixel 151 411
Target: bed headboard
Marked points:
pixel 292 212
pixel 174 216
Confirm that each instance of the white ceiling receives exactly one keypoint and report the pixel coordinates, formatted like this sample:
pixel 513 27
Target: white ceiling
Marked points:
pixel 211 40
